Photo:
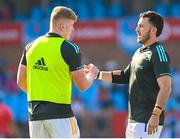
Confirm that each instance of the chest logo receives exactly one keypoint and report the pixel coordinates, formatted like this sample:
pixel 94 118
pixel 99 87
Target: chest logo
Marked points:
pixel 40 65
pixel 139 66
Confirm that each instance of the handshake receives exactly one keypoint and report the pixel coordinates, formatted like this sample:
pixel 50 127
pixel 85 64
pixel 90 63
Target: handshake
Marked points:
pixel 91 71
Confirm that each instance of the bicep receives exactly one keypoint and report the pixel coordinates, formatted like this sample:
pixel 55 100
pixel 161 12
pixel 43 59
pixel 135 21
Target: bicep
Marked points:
pixel 79 79
pixel 21 75
pixel 164 81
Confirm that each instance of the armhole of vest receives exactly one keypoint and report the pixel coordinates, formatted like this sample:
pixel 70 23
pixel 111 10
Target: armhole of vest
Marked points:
pixel 61 52
pixel 28 46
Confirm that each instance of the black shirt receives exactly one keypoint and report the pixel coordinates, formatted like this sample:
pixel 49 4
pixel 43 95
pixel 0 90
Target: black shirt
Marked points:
pixel 42 110
pixel 141 74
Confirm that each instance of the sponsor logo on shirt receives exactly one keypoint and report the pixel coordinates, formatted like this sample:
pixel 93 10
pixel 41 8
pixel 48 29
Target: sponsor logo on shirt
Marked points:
pixel 40 65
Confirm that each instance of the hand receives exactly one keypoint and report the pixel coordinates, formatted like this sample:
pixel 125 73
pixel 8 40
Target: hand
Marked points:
pixel 153 124
pixel 91 69
pixel 86 68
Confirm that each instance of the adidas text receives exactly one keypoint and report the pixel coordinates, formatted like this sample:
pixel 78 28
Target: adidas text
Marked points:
pixel 40 65
pixel 40 68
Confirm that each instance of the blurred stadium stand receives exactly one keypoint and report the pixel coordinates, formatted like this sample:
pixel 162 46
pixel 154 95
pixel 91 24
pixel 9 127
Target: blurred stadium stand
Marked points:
pixel 102 110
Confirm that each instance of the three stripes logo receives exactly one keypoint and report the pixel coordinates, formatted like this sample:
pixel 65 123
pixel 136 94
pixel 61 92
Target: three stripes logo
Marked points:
pixel 162 54
pixel 40 65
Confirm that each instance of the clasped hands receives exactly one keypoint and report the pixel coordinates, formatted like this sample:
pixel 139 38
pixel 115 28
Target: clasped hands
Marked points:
pixel 91 70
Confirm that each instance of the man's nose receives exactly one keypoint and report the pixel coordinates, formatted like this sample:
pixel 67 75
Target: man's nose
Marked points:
pixel 136 29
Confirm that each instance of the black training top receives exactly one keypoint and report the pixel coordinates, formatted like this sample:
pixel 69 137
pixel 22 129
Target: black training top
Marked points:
pixel 141 74
pixel 42 110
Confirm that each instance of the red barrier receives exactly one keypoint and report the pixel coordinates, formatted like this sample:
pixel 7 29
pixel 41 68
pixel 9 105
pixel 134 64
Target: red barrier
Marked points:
pixel 10 34
pixel 96 32
pixel 171 31
pixel 119 123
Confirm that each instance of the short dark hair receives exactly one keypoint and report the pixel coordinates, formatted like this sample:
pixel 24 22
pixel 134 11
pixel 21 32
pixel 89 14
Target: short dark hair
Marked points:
pixel 156 19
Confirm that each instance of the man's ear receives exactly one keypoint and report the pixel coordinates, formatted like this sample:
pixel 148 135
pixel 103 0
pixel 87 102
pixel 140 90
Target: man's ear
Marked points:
pixel 62 27
pixel 154 30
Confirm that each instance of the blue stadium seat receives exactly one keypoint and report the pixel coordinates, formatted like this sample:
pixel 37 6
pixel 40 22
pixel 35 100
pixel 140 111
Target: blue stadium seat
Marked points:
pixel 115 10
pixel 175 10
pixel 162 9
pixel 20 17
pixel 70 4
pixel 82 10
pixel 55 3
pixel 36 14
pixel 98 9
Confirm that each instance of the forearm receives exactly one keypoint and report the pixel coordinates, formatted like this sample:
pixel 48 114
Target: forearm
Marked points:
pixel 84 78
pixel 84 82
pixel 105 76
pixel 116 76
pixel 163 97
pixel 89 78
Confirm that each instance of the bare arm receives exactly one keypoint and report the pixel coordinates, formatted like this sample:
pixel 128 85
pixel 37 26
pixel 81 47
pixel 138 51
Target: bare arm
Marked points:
pixel 164 83
pixel 83 79
pixel 21 77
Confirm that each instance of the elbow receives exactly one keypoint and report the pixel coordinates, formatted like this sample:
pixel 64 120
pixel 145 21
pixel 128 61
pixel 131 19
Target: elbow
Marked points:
pixel 83 87
pixel 169 90
pixel 82 84
pixel 21 85
pixel 18 83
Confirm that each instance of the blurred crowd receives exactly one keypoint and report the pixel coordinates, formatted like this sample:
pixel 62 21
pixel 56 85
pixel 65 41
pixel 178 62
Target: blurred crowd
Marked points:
pixel 101 110
pixel 17 10
pixel 13 104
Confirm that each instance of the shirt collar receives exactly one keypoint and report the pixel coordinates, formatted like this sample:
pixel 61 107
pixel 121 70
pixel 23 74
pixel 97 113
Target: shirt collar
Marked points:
pixel 52 34
pixel 150 46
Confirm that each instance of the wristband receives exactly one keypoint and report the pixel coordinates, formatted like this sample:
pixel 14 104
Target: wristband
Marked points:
pixel 98 75
pixel 154 114
pixel 111 73
pixel 158 107
pixel 156 111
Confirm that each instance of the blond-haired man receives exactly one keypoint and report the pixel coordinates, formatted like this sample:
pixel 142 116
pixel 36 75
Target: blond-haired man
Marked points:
pixel 47 68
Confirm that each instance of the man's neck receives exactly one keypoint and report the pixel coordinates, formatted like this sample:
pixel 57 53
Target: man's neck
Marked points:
pixel 149 43
pixel 55 31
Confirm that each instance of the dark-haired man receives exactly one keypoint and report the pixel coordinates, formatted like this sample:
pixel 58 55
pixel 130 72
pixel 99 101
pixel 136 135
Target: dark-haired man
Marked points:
pixel 149 78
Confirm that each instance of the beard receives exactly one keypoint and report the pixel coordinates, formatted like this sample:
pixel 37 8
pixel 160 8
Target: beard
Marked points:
pixel 144 38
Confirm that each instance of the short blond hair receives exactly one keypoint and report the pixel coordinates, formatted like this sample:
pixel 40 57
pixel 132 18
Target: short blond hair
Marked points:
pixel 61 12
